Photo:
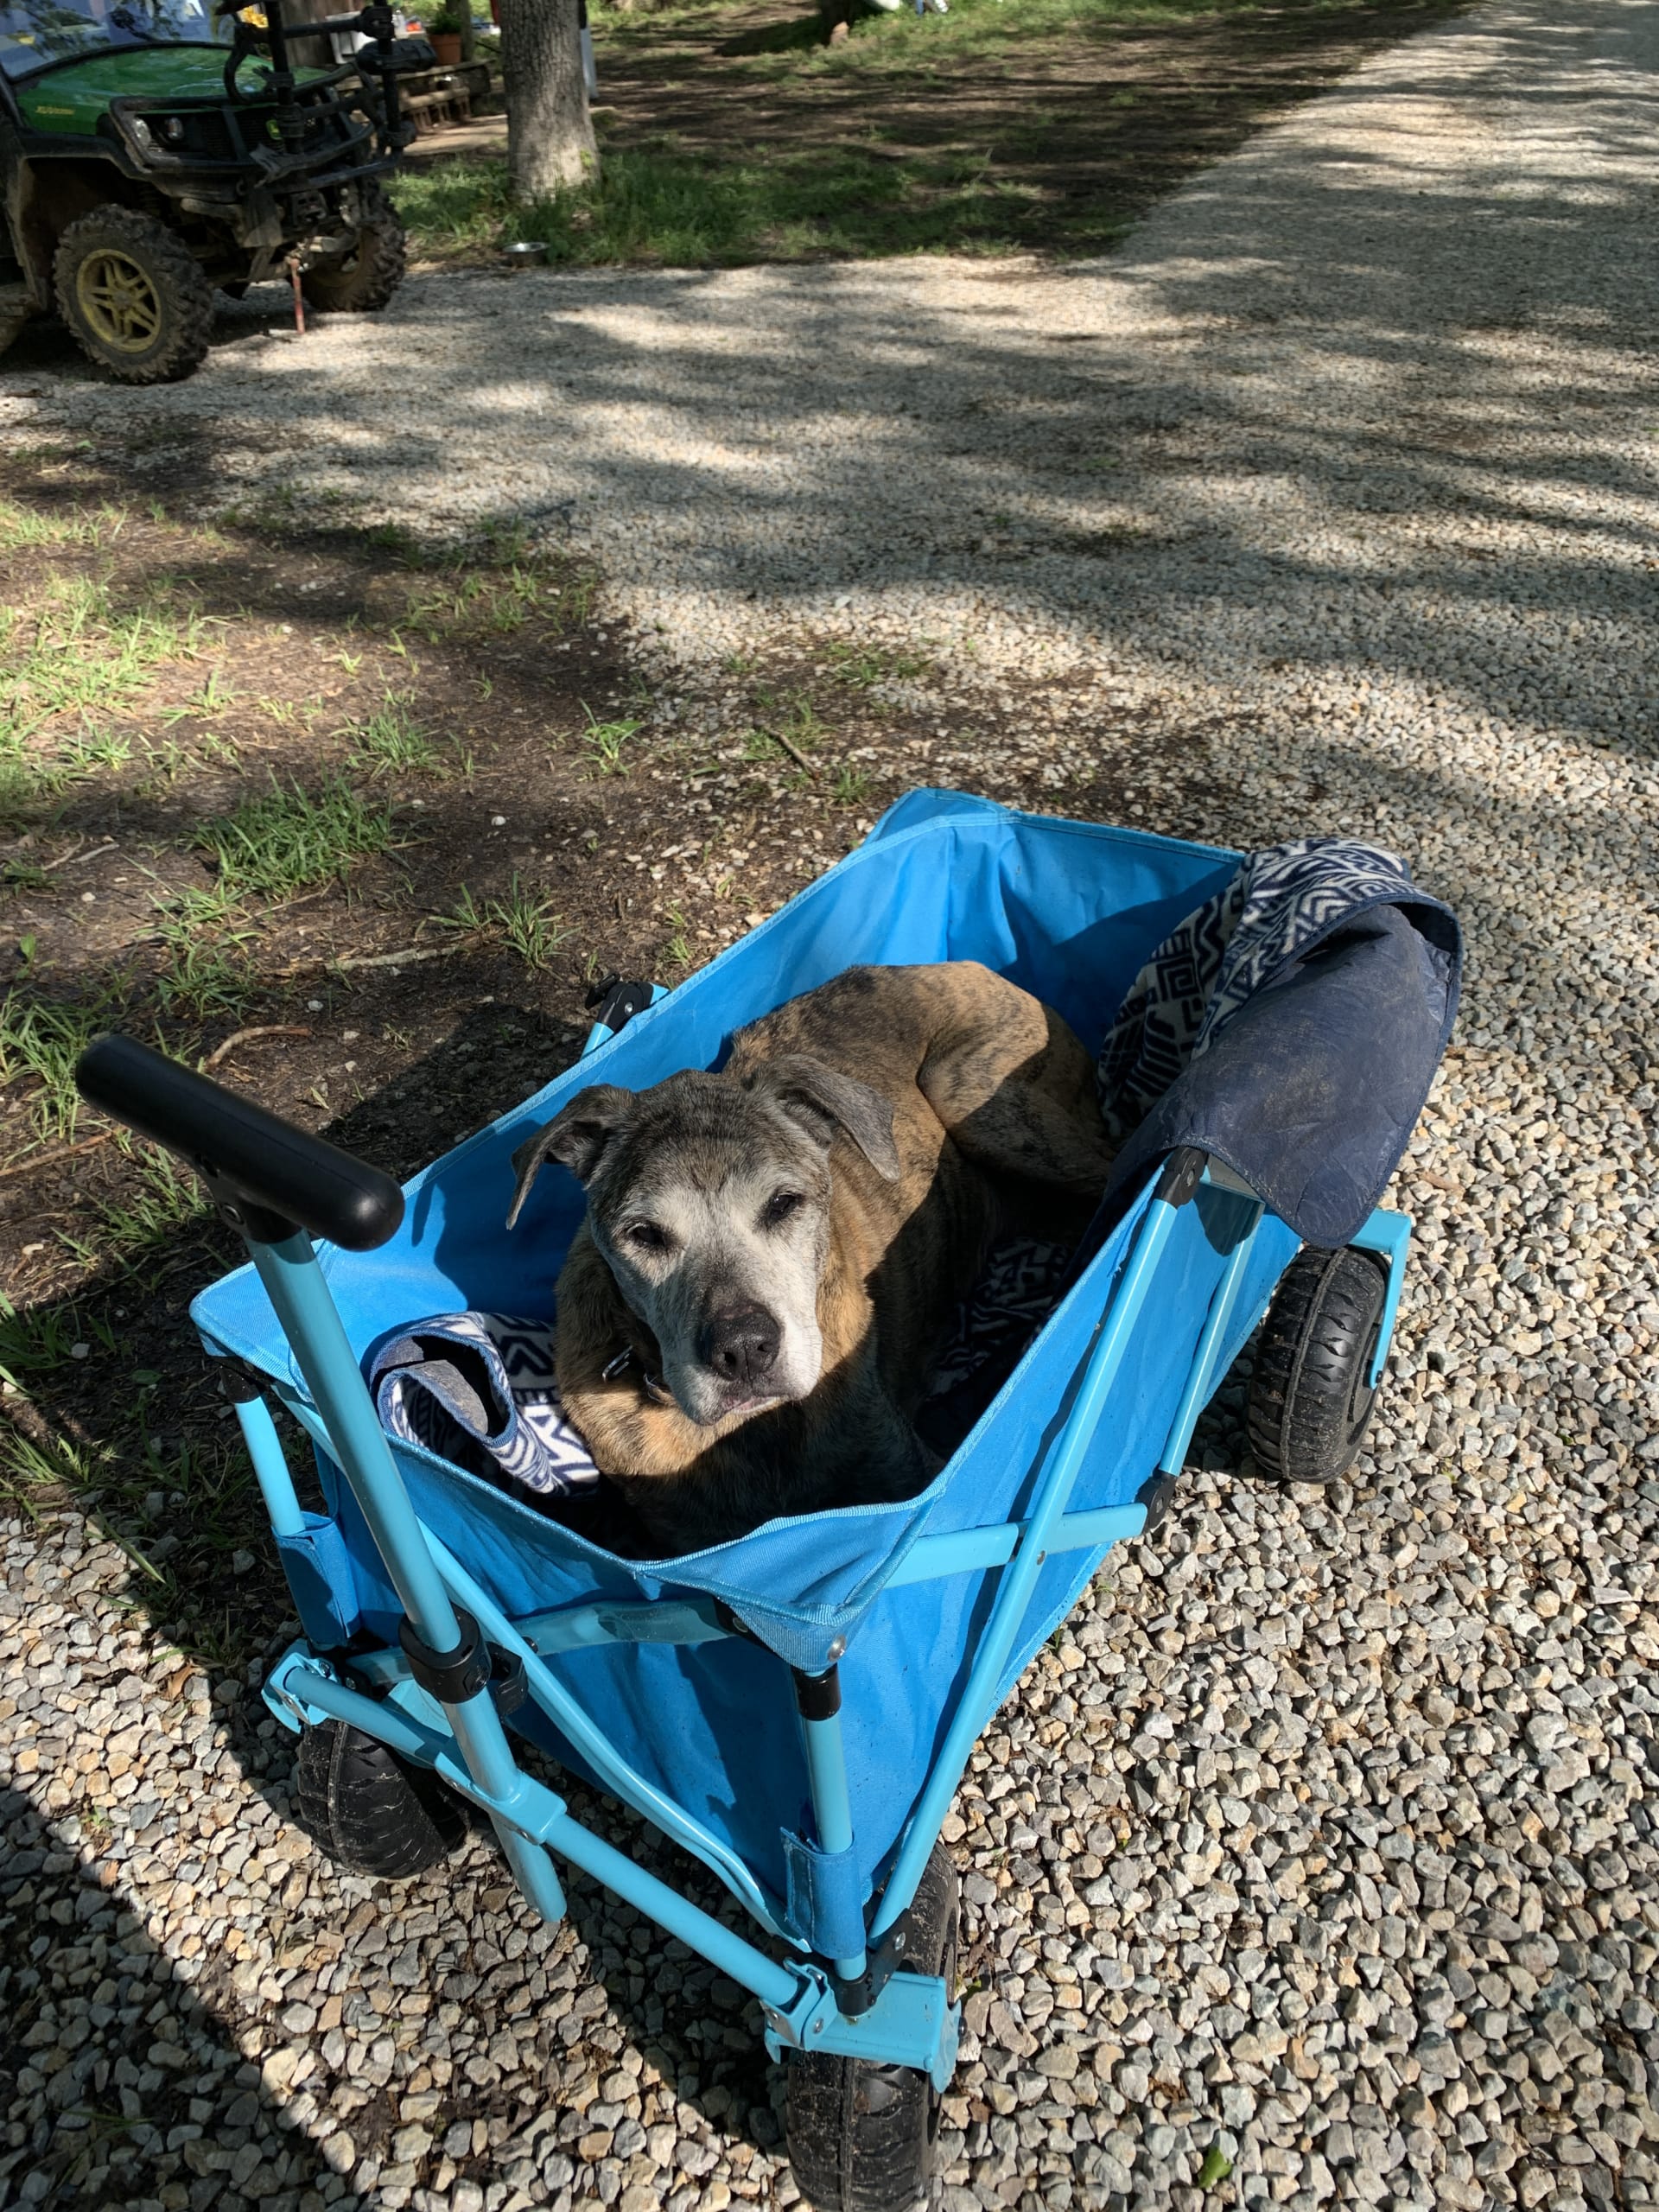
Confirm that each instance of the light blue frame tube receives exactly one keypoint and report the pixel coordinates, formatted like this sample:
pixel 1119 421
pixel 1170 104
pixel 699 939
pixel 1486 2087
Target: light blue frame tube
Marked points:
pixel 832 1803
pixel 1054 1488
pixel 297 1288
pixel 270 1467
pixel 1205 1360
pixel 1387 1234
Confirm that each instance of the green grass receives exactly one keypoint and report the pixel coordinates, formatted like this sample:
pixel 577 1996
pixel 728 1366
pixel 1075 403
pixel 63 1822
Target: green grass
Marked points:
pixel 22 527
pixel 205 972
pixel 604 743
pixel 166 1197
pixel 391 742
pixel 86 654
pixel 481 603
pixel 865 666
pixel 40 1039
pixel 289 840
pixel 34 1343
pixel 524 921
pixel 681 207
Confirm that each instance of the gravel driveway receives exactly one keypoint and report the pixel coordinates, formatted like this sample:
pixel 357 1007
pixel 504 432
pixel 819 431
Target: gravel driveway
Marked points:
pixel 1326 1847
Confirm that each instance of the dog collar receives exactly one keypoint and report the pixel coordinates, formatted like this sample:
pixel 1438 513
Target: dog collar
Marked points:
pixel 651 1384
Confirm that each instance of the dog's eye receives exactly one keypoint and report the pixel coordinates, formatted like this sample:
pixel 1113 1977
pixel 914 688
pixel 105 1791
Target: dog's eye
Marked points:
pixel 647 1235
pixel 778 1207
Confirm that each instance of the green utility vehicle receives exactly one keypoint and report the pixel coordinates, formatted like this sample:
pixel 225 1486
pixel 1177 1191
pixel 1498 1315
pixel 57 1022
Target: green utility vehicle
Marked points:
pixel 151 150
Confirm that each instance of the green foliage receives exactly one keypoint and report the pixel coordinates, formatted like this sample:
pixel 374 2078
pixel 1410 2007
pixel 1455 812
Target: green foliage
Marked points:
pixel 392 742
pixel 524 921
pixel 289 839
pixel 206 973
pixel 41 1039
pixel 604 743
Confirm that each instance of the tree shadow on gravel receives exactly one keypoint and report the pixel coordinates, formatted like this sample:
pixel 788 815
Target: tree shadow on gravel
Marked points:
pixel 1151 477
pixel 119 2078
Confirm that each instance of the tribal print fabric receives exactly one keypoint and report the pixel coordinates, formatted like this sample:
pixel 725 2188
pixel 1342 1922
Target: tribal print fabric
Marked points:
pixel 1280 905
pixel 477 1388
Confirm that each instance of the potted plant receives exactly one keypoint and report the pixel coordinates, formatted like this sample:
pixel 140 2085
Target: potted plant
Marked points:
pixel 444 28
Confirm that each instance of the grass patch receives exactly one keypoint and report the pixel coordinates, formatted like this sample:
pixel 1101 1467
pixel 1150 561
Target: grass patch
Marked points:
pixel 40 1039
pixel 865 666
pixel 392 743
pixel 22 527
pixel 204 973
pixel 142 1219
pixel 683 207
pixel 288 839
pixel 604 743
pixel 524 921
pixel 86 654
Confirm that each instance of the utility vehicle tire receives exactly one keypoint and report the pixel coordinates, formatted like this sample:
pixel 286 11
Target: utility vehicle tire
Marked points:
pixel 364 281
pixel 1310 1398
pixel 134 295
pixel 367 1809
pixel 862 2136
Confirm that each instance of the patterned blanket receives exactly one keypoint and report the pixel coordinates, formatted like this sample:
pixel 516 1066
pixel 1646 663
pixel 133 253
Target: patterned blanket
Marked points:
pixel 1290 1027
pixel 478 1389
pixel 1278 906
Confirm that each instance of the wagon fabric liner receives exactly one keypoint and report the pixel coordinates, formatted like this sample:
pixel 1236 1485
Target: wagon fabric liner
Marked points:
pixel 1071 913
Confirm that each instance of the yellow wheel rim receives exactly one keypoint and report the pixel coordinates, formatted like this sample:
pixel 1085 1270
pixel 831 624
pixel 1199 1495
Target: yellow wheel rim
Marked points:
pixel 117 296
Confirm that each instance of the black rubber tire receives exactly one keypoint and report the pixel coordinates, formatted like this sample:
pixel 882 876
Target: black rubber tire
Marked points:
pixel 862 2136
pixel 178 294
pixel 365 281
pixel 1309 1401
pixel 368 1811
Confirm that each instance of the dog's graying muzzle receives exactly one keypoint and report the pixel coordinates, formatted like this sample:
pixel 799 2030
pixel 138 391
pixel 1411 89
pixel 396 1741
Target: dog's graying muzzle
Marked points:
pixel 740 1345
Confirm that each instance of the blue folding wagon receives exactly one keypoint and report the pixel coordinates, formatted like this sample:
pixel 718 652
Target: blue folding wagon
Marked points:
pixel 795 1708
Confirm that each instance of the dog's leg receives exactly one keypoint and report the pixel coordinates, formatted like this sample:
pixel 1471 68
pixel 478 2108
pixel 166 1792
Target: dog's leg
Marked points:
pixel 1016 1092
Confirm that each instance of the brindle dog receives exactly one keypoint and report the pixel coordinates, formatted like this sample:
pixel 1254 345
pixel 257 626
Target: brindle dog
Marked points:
pixel 772 1255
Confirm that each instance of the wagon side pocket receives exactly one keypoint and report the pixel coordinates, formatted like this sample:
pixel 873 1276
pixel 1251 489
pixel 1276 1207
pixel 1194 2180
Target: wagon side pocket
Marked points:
pixel 825 1898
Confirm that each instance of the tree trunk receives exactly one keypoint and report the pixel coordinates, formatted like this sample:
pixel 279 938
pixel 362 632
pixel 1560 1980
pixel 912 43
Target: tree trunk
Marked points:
pixel 550 141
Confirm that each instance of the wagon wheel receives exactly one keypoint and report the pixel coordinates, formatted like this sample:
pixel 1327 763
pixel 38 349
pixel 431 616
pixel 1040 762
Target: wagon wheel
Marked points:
pixel 1310 1397
pixel 368 1811
pixel 862 2136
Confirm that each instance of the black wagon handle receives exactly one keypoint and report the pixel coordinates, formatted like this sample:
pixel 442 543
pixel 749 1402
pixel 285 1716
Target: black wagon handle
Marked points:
pixel 268 1178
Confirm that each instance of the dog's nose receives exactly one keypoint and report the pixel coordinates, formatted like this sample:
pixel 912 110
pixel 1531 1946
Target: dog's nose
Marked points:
pixel 741 1345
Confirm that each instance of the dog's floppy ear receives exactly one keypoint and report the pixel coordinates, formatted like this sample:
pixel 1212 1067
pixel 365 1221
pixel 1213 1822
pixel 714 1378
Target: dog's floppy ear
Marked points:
pixel 823 1101
pixel 576 1137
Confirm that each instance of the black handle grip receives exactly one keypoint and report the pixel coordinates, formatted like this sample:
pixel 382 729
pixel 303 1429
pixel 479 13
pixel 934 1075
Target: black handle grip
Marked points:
pixel 240 1150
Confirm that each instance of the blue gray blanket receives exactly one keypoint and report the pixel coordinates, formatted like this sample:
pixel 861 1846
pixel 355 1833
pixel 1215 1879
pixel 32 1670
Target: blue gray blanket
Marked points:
pixel 1290 1026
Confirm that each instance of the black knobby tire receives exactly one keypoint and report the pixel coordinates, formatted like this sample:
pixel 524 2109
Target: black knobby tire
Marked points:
pixel 134 295
pixel 1311 1400
pixel 862 2136
pixel 365 281
pixel 367 1809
